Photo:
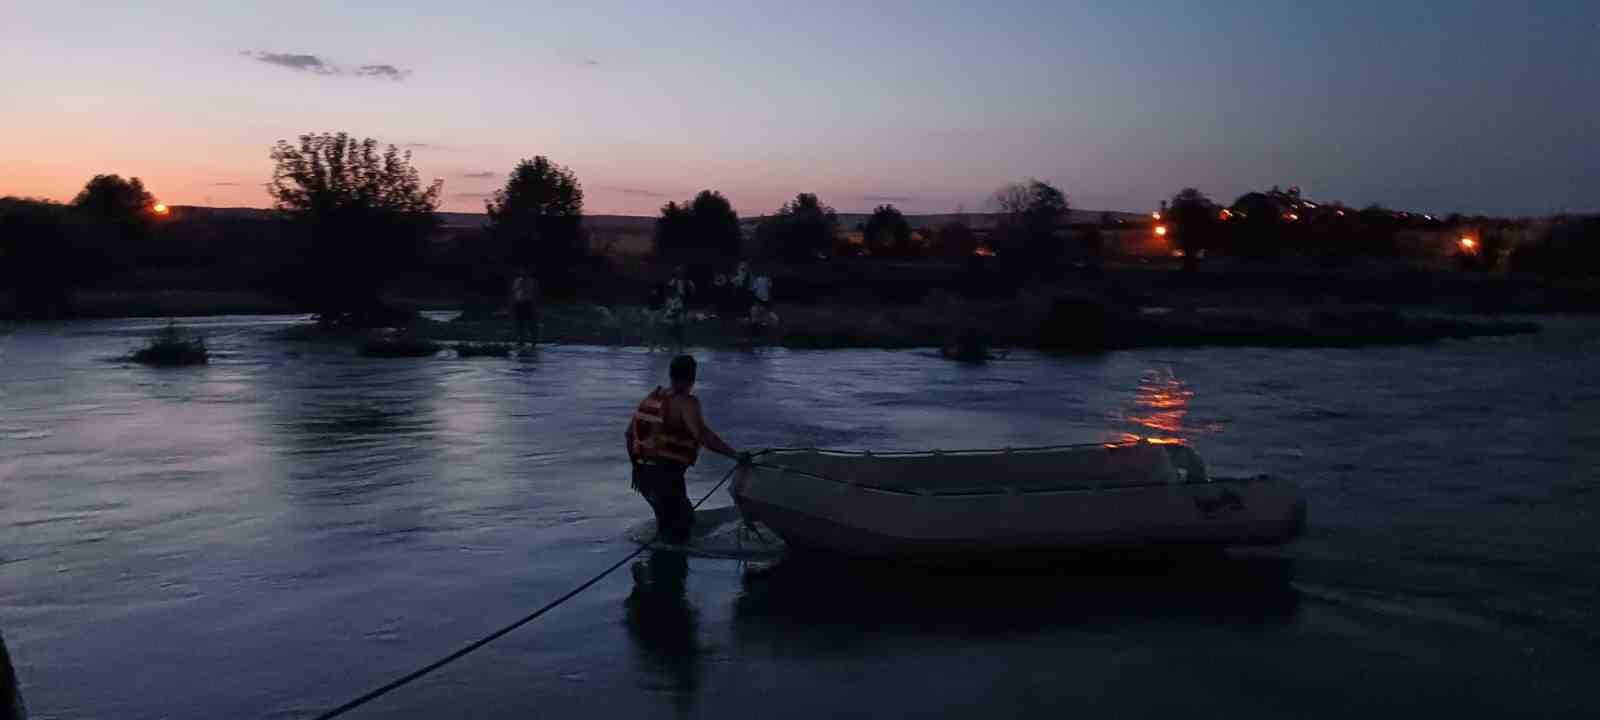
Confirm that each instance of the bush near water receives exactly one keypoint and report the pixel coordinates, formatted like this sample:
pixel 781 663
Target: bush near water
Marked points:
pixel 172 348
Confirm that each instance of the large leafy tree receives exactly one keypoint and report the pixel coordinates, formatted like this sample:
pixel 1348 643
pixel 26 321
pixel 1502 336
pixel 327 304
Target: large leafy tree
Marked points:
pixel 39 259
pixel 1261 222
pixel 538 215
pixel 674 232
pixel 1030 213
pixel 716 223
pixel 887 233
pixel 1194 221
pixel 113 200
pixel 955 239
pixel 801 230
pixel 365 214
pixel 117 217
pixel 706 226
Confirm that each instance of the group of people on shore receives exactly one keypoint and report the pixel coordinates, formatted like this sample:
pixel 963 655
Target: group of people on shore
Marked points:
pixel 743 295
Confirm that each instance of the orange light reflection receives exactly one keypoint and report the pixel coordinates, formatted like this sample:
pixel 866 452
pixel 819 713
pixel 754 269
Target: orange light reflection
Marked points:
pixel 1161 408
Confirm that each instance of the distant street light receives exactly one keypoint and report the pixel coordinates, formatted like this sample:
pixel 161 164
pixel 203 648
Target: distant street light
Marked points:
pixel 1468 244
pixel 160 209
pixel 1161 231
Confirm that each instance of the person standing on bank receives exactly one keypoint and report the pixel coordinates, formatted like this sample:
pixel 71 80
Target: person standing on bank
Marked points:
pixel 524 307
pixel 664 439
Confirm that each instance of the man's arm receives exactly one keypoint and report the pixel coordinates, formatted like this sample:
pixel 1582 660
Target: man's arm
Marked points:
pixel 627 435
pixel 703 432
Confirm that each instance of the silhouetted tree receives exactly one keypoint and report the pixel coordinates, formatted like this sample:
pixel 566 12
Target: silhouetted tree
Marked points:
pixel 39 262
pixel 538 215
pixel 1494 243
pixel 887 233
pixel 1031 211
pixel 111 200
pixel 1092 246
pixel 955 239
pixel 1567 246
pixel 706 227
pixel 119 216
pixel 716 223
pixel 1194 221
pixel 1260 223
pixel 801 230
pixel 674 233
pixel 364 211
pixel 1376 233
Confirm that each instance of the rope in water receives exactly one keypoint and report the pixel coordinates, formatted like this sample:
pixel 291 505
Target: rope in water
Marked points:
pixel 406 679
pixel 970 451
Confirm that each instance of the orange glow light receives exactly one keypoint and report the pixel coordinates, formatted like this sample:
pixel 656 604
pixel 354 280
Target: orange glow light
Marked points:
pixel 160 209
pixel 1161 231
pixel 1155 216
pixel 1468 243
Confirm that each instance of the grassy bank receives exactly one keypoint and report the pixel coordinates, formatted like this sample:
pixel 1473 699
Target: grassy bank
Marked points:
pixel 904 305
pixel 107 304
pixel 1071 323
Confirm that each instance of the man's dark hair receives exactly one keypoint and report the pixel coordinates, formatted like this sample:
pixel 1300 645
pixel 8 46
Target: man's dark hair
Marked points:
pixel 682 372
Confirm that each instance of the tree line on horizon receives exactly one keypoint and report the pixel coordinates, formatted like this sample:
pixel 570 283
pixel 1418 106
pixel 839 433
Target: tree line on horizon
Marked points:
pixel 356 215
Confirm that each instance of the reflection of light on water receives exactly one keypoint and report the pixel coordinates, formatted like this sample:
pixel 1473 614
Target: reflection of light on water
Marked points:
pixel 1161 407
pixel 1128 437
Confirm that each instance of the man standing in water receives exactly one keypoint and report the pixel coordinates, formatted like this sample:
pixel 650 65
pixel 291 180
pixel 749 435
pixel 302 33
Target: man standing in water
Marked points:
pixel 664 439
pixel 524 310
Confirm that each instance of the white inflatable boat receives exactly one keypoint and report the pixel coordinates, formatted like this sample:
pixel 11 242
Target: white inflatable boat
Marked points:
pixel 934 505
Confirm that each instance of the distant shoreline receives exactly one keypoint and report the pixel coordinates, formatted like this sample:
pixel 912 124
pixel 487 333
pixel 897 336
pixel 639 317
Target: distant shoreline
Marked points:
pixel 920 327
pixel 1160 317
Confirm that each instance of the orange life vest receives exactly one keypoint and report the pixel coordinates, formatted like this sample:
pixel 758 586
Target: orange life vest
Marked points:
pixel 657 435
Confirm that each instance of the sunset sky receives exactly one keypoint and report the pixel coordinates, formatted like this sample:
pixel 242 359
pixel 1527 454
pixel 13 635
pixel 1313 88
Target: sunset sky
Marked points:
pixel 1437 106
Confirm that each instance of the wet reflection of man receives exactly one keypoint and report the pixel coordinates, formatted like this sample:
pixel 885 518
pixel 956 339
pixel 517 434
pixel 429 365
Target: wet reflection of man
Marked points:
pixel 665 627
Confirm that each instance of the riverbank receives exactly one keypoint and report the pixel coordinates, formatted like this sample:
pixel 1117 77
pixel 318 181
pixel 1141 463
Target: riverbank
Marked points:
pixel 1117 310
pixel 862 285
pixel 1063 324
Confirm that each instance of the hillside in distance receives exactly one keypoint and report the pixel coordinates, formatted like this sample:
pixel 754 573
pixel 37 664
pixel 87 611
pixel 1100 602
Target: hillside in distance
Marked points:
pixel 645 223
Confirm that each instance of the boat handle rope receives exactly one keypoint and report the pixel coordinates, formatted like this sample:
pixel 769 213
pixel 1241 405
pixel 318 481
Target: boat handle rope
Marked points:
pixel 414 675
pixel 940 452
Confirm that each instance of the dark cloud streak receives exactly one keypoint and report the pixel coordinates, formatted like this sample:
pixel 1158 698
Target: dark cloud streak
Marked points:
pixel 305 63
pixel 888 198
pixel 389 72
pixel 481 175
pixel 317 66
pixel 638 192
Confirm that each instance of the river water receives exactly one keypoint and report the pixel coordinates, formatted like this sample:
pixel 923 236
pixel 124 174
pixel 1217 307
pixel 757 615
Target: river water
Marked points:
pixel 281 530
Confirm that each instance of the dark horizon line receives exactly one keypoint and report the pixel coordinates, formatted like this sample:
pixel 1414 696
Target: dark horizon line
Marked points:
pixel 654 216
